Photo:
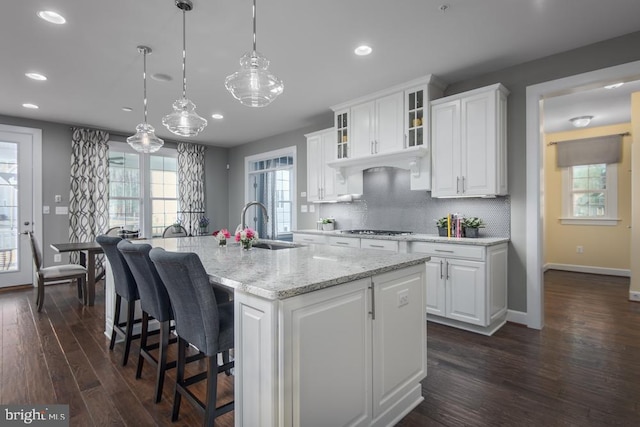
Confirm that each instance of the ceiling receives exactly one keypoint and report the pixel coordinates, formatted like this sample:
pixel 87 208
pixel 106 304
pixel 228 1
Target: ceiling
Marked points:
pixel 94 69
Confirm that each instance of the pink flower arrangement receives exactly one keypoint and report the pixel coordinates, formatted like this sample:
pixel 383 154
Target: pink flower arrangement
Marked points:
pixel 246 237
pixel 222 236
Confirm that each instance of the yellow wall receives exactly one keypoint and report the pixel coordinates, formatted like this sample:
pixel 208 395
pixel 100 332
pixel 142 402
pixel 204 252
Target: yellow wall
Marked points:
pixel 635 164
pixel 604 246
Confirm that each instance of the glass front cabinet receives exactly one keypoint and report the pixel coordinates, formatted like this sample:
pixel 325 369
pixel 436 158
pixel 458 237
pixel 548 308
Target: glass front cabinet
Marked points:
pixel 342 131
pixel 417 116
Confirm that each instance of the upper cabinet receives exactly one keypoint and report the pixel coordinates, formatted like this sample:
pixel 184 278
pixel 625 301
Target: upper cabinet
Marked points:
pixel 377 126
pixel 469 143
pixel 321 179
pixel 416 118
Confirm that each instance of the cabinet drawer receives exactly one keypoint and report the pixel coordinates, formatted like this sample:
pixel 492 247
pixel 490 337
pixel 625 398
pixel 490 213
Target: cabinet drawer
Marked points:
pixel 449 250
pixel 347 242
pixel 383 245
pixel 310 238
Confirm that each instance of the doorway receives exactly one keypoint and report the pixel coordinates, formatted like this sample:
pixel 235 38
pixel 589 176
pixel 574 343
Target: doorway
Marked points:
pixel 20 196
pixel 535 183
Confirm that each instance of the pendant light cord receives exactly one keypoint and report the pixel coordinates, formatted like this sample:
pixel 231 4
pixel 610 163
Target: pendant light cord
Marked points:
pixel 254 26
pixel 144 79
pixel 184 53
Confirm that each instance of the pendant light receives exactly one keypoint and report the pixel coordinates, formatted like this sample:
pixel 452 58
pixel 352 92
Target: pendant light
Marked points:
pixel 145 139
pixel 184 121
pixel 253 85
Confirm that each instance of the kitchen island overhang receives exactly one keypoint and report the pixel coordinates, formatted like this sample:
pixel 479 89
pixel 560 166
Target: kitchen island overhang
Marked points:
pixel 323 335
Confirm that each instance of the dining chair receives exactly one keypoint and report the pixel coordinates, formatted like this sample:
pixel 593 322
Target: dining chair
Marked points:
pixel 200 321
pixel 56 273
pixel 175 231
pixel 126 288
pixel 155 304
pixel 113 231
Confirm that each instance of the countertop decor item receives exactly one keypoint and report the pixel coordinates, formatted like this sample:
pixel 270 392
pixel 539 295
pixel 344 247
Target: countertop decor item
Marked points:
pixel 441 224
pixel 471 226
pixel 328 224
pixel 184 121
pixel 247 238
pixel 145 139
pixel 222 236
pixel 177 225
pixel 203 223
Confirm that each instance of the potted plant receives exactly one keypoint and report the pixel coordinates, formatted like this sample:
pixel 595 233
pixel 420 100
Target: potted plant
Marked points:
pixel 203 223
pixel 177 226
pixel 328 224
pixel 471 225
pixel 442 226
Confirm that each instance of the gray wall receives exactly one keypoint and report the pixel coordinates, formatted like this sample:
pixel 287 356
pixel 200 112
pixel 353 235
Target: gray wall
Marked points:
pixel 605 54
pixel 293 138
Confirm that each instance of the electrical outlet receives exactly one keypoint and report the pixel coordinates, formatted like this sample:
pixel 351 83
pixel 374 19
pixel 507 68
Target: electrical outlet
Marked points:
pixel 634 296
pixel 57 258
pixel 579 249
pixel 403 297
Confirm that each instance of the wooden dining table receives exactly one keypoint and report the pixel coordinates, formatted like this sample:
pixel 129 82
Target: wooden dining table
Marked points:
pixel 88 252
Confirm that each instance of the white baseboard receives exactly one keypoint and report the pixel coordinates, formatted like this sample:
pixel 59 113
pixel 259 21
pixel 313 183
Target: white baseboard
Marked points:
pixel 519 317
pixel 634 296
pixel 588 269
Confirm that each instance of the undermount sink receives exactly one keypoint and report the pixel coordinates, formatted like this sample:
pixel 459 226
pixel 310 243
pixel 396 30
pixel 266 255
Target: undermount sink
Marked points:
pixel 275 245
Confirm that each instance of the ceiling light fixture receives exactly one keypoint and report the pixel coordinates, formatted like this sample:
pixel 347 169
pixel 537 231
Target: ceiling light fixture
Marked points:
pixel 36 76
pixel 127 109
pixel 184 121
pixel 363 50
pixel 145 139
pixel 30 106
pixel 581 121
pixel 614 86
pixel 51 16
pixel 217 116
pixel 253 85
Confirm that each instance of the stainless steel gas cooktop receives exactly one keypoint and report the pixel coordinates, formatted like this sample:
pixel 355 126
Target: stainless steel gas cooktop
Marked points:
pixel 377 232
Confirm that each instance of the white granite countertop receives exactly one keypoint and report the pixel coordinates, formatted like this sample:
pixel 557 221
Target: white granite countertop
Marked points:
pixel 284 273
pixel 480 241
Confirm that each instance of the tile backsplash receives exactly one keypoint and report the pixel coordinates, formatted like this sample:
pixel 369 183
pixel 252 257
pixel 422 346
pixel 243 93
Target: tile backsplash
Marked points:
pixel 388 204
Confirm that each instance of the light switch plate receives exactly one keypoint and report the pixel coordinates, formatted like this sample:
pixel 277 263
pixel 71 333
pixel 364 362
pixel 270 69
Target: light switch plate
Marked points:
pixel 303 208
pixel 57 198
pixel 303 194
pixel 62 210
pixel 46 210
pixel 312 208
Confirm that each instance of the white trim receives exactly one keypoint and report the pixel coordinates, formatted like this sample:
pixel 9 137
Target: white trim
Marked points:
pixel 622 272
pixel 589 221
pixel 534 174
pixel 519 317
pixel 634 296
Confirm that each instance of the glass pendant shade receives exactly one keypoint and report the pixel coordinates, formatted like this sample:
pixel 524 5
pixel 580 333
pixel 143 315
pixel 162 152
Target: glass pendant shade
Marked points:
pixel 253 85
pixel 184 120
pixel 145 139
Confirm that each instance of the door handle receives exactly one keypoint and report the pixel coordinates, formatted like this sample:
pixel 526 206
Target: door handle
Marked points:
pixel 371 149
pixel 373 302
pixel 463 184
pixel 447 270
pixel 457 184
pixel 441 269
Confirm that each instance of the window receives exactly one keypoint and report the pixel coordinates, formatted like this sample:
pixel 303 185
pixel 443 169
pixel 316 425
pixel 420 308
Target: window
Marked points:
pixel 271 181
pixel 590 194
pixel 143 190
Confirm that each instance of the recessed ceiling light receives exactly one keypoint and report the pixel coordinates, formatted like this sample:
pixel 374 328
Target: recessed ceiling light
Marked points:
pixel 614 86
pixel 127 109
pixel 363 50
pixel 161 77
pixel 36 76
pixel 51 16
pixel 581 121
pixel 217 116
pixel 31 106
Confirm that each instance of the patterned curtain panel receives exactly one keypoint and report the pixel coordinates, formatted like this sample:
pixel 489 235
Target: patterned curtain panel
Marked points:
pixel 191 184
pixel 89 198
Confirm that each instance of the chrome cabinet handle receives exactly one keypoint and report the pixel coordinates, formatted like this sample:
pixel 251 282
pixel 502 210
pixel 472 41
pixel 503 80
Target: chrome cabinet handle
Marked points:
pixel 457 184
pixel 443 250
pixel 373 302
pixel 371 149
pixel 376 246
pixel 342 243
pixel 405 141
pixel 447 270
pixel 463 185
pixel 441 269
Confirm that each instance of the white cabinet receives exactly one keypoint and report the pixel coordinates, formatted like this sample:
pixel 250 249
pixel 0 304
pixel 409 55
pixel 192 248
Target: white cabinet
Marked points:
pixel 315 239
pixel 345 242
pixel 342 350
pixel 469 140
pixel 321 179
pixel 379 244
pixel 377 126
pixel 466 285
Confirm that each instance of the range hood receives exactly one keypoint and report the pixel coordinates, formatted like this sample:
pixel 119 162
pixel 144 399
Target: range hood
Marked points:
pixel 414 159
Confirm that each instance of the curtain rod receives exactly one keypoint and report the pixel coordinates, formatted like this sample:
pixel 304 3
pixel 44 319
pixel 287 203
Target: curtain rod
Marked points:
pixel 621 134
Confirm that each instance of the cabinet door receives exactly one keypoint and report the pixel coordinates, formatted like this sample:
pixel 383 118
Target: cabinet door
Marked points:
pixel 479 144
pixel 342 133
pixel 314 165
pixel 399 336
pixel 329 189
pixel 445 140
pixel 436 297
pixel 362 138
pixel 389 123
pixel 416 117
pixel 466 291
pixel 327 357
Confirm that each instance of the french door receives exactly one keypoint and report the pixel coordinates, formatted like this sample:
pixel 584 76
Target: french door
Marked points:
pixel 20 174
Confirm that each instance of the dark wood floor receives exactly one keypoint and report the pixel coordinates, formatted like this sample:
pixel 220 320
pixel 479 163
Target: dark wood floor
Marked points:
pixel 583 369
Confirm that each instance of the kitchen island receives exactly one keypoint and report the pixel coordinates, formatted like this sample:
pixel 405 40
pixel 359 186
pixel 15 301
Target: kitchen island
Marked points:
pixel 324 336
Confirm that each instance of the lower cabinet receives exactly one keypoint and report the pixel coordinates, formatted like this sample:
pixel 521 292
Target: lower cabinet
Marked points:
pixel 466 285
pixel 334 357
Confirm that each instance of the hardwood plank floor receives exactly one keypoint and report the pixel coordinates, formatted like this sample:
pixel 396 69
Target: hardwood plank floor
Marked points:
pixel 582 369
